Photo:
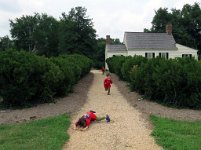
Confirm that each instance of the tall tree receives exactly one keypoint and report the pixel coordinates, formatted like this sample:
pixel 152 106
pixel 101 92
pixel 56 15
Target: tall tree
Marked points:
pixel 46 35
pixel 161 18
pixel 22 32
pixel 77 34
pixel 37 33
pixel 5 43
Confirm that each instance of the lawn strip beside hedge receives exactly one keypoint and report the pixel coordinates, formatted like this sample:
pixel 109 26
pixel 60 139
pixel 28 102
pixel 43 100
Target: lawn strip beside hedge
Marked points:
pixel 42 134
pixel 176 135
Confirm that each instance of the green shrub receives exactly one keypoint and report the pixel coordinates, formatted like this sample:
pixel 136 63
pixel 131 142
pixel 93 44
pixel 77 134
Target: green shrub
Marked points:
pixel 25 77
pixel 115 64
pixel 129 63
pixel 83 62
pixel 98 64
pixel 71 73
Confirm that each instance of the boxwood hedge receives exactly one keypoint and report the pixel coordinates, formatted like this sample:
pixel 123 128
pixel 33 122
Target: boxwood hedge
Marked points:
pixel 26 78
pixel 175 82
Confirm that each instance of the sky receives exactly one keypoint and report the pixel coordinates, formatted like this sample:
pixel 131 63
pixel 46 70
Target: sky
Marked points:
pixel 110 17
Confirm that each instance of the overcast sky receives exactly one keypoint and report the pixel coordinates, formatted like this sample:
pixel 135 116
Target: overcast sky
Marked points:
pixel 110 17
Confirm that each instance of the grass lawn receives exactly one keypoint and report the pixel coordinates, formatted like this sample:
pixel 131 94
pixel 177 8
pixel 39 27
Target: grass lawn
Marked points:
pixel 44 134
pixel 177 135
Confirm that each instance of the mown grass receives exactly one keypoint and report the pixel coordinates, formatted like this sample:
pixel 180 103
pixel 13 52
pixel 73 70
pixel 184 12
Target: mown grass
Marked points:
pixel 177 135
pixel 45 134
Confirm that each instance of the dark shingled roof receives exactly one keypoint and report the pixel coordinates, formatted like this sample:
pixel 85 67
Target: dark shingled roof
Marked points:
pixel 116 47
pixel 141 40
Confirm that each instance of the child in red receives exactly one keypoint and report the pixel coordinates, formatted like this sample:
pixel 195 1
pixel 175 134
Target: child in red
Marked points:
pixel 107 83
pixel 103 70
pixel 87 118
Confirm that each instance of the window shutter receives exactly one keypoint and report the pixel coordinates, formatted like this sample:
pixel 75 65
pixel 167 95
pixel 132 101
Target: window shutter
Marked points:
pixel 159 55
pixel 153 55
pixel 167 55
pixel 146 55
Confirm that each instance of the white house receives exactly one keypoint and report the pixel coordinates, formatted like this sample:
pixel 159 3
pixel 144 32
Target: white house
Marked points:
pixel 149 45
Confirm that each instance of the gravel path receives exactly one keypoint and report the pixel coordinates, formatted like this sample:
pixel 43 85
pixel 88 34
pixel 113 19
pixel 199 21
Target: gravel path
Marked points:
pixel 127 131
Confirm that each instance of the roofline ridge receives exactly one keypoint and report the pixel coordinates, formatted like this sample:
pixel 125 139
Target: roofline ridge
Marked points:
pixel 143 32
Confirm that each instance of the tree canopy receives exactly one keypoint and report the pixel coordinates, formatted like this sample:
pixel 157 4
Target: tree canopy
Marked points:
pixel 76 32
pixel 5 43
pixel 44 35
pixel 37 33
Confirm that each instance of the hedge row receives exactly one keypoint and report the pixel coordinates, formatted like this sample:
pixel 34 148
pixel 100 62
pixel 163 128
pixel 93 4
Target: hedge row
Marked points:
pixel 175 82
pixel 26 78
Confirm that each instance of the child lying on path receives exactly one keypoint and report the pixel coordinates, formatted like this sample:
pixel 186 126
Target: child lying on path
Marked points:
pixel 90 116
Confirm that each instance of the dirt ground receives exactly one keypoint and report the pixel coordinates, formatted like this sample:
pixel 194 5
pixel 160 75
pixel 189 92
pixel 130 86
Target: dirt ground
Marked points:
pixel 126 131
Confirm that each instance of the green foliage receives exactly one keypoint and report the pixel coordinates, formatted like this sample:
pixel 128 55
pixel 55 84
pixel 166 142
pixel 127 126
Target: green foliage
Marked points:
pixel 68 73
pixel 44 35
pixel 22 30
pixel 99 57
pixel 26 78
pixel 37 34
pixel 73 68
pixel 84 63
pixel 5 43
pixel 177 135
pixel 76 33
pixel 175 82
pixel 160 20
pixel 42 134
pixel 129 63
pixel 115 64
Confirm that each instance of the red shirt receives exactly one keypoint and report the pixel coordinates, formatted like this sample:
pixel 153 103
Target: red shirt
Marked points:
pixel 89 116
pixel 107 82
pixel 103 69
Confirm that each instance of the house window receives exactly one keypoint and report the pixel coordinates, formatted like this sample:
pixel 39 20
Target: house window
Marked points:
pixel 150 55
pixel 187 55
pixel 164 55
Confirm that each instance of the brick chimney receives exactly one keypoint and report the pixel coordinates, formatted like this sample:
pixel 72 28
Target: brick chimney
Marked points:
pixel 108 39
pixel 169 28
